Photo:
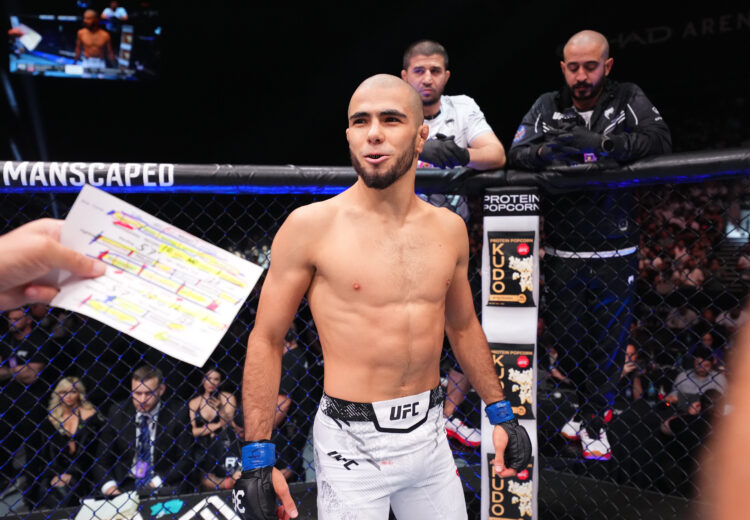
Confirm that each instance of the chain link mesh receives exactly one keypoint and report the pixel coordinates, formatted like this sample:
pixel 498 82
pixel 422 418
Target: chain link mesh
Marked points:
pixel 690 278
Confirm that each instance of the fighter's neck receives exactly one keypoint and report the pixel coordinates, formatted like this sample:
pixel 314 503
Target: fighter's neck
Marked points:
pixel 397 200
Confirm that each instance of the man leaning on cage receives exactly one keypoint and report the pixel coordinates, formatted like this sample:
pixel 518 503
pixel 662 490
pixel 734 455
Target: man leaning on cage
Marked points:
pixel 590 237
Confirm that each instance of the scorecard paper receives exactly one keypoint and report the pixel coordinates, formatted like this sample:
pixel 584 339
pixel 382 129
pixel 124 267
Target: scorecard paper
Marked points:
pixel 163 286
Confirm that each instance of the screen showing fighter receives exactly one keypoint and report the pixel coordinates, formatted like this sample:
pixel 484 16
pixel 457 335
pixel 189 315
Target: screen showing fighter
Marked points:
pixel 81 42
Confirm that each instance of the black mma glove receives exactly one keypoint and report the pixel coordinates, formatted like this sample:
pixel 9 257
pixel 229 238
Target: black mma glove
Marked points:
pixel 518 451
pixel 253 494
pixel 553 151
pixel 443 152
pixel 581 138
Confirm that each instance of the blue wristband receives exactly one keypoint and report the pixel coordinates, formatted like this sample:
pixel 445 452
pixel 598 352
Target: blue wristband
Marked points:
pixel 499 412
pixel 258 455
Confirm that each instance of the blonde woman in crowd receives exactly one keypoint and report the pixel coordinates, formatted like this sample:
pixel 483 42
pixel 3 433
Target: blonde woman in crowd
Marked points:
pixel 70 435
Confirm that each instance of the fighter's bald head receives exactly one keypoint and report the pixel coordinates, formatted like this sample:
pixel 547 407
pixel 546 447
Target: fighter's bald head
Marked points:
pixel 374 85
pixel 588 38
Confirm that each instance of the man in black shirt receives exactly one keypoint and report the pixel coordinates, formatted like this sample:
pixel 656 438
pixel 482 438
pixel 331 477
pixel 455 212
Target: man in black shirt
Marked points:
pixel 590 237
pixel 25 353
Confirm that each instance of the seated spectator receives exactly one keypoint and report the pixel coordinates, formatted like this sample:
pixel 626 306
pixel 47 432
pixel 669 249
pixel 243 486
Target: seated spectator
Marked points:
pixel 681 318
pixel 25 351
pixel 550 363
pixel 679 254
pixel 743 263
pixel 691 384
pixel 630 383
pixel 70 434
pixel 145 441
pixel 687 433
pixel 690 275
pixel 211 416
pixel 731 320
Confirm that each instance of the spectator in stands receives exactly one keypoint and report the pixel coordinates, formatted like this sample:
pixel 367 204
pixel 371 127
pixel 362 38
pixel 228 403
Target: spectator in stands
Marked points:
pixel 218 448
pixel 688 432
pixel 459 136
pixel 591 237
pixel 679 253
pixel 690 275
pixel 743 263
pixel 691 384
pixel 681 318
pixel 550 363
pixel 25 379
pixel 288 437
pixel 70 434
pixel 630 384
pixel 146 441
pixel 731 320
pixel 23 351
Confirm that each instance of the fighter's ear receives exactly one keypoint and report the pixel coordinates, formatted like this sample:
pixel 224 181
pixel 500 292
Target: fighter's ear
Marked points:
pixel 422 134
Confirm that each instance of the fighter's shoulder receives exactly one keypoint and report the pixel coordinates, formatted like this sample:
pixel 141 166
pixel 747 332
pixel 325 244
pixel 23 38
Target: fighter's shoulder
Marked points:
pixel 445 220
pixel 310 217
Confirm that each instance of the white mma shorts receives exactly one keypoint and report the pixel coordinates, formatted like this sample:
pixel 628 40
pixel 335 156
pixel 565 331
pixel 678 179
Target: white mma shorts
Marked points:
pixel 372 456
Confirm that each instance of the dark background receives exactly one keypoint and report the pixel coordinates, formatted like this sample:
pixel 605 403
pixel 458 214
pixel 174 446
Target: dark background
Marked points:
pixel 269 83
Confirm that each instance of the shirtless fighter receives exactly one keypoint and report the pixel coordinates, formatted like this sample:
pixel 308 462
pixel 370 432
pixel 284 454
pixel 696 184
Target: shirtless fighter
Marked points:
pixel 385 274
pixel 95 42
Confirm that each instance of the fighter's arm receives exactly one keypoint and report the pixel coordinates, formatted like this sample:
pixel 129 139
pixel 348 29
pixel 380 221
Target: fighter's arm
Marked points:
pixel 288 278
pixel 511 442
pixel 462 327
pixel 108 45
pixel 79 44
pixel 486 152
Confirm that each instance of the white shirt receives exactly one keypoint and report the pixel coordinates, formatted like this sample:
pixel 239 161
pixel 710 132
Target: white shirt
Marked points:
pixel 460 116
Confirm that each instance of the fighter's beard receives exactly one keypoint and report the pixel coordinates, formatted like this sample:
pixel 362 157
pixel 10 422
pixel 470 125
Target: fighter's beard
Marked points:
pixel 382 181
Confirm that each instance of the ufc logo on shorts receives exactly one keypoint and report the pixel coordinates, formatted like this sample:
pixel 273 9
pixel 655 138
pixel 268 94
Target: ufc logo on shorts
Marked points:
pixel 237 496
pixel 402 412
pixel 347 462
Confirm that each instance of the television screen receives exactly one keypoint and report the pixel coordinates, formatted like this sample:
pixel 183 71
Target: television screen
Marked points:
pixel 86 39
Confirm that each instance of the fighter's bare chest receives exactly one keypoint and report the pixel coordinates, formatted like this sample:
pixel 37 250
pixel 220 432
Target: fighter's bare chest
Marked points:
pixel 95 40
pixel 419 263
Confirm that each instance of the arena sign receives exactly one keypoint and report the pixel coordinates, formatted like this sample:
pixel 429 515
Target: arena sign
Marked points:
pixel 38 174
